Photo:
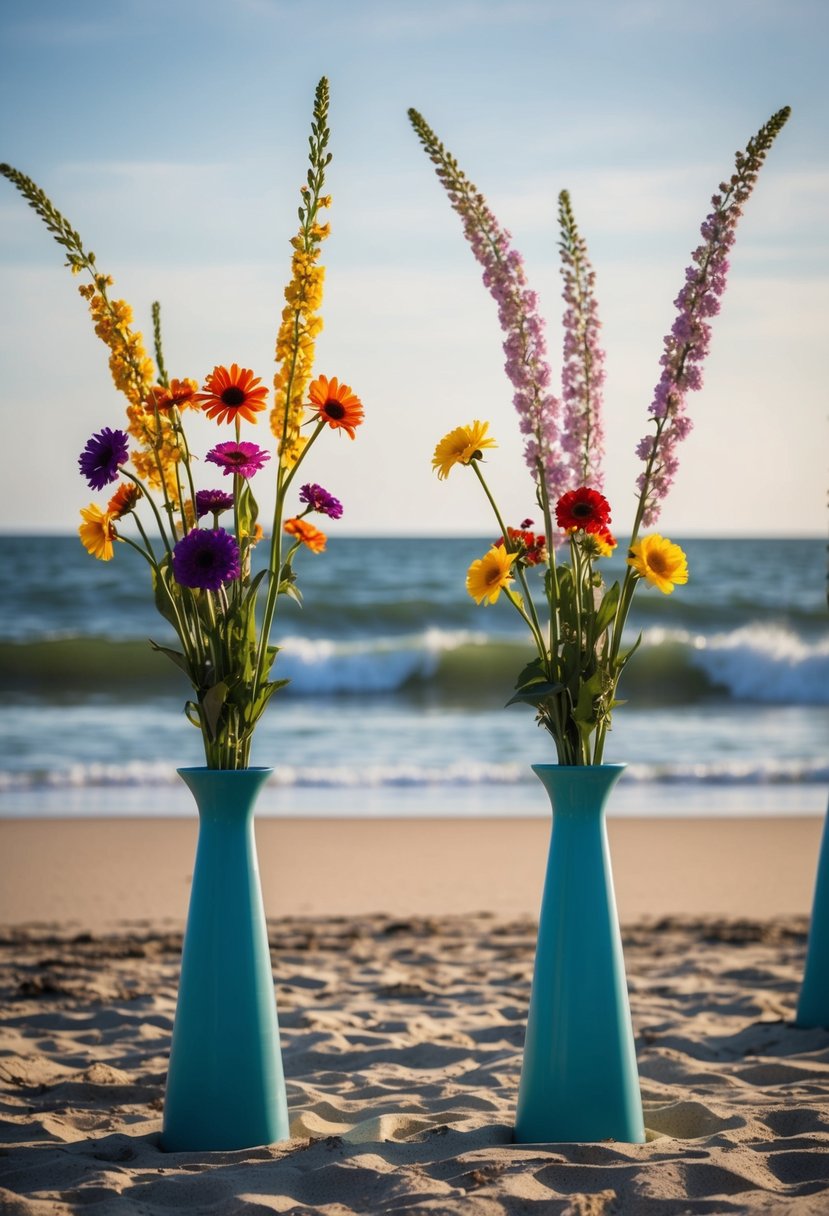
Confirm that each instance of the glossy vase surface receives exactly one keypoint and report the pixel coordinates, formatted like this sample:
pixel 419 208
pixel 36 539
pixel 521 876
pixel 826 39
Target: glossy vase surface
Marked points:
pixel 813 1005
pixel 225 1085
pixel 579 1080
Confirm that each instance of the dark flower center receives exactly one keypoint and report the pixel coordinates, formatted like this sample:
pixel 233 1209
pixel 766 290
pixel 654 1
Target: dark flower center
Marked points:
pixel 334 410
pixel 582 510
pixel 233 396
pixel 235 457
pixel 205 558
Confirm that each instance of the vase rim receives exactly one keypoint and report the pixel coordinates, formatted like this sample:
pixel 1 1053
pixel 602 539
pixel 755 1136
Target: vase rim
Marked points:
pixel 204 768
pixel 572 768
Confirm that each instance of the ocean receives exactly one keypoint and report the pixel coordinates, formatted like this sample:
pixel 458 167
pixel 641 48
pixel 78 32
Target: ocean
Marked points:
pixel 398 682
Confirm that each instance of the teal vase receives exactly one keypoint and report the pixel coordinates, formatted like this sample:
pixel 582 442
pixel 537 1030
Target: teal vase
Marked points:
pixel 225 1086
pixel 813 1005
pixel 579 1079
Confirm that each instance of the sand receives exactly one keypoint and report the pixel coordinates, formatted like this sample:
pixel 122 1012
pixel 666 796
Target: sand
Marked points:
pixel 94 873
pixel 402 1028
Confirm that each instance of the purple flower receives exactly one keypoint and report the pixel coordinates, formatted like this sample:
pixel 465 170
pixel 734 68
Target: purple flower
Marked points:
pixel 206 558
pixel 320 500
pixel 101 457
pixel 214 501
pixel 582 373
pixel 687 344
pixel 524 345
pixel 242 458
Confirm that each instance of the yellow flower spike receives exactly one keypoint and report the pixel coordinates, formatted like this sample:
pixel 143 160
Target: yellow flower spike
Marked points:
pixel 289 453
pixel 659 561
pixel 460 446
pixel 489 575
pixel 301 322
pixel 97 532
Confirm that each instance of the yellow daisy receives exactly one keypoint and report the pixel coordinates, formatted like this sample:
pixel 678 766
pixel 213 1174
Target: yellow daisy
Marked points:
pixel 659 561
pixel 460 446
pixel 487 577
pixel 97 532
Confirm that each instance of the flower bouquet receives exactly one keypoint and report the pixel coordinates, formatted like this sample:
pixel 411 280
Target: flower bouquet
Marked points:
pixel 198 543
pixel 579 1077
pixel 225 1084
pixel 572 680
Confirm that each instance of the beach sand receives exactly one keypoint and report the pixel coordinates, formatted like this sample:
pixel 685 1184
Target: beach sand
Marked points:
pixel 402 956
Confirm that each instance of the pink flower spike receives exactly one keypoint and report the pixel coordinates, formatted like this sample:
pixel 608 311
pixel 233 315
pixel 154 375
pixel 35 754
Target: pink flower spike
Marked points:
pixel 687 344
pixel 538 410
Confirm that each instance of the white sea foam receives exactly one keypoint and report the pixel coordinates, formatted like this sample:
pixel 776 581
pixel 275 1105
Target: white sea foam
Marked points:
pixel 761 663
pixel 412 775
pixel 368 665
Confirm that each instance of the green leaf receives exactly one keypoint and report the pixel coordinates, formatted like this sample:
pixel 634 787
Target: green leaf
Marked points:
pixel 212 703
pixel 191 713
pixel 583 711
pixel 255 584
pixel 247 510
pixel 628 655
pixel 162 593
pixel 535 694
pixel 607 609
pixel 289 588
pixel 533 671
pixel 176 656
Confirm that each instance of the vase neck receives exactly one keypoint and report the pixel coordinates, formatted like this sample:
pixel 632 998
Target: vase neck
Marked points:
pixel 578 790
pixel 225 794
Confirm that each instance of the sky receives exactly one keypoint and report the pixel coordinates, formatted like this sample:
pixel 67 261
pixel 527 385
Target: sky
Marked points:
pixel 173 135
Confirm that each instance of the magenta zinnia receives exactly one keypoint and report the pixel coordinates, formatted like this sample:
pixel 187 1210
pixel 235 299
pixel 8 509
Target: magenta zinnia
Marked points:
pixel 242 458
pixel 320 500
pixel 212 501
pixel 206 558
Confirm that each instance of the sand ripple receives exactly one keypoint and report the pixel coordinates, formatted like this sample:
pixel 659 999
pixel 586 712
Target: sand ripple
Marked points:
pixel 402 1044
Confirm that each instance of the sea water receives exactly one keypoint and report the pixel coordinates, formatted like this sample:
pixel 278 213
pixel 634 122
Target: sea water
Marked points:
pixel 398 683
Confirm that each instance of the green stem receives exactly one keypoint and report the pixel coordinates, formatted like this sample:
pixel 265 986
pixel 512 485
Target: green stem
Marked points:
pixel 276 564
pixel 146 493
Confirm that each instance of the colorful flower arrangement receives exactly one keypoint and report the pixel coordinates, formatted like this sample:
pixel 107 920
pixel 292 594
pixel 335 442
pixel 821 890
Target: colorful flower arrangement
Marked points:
pixel 200 553
pixel 572 680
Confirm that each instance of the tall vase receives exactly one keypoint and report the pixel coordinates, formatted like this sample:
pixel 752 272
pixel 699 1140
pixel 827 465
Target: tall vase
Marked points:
pixel 579 1080
pixel 813 1005
pixel 225 1086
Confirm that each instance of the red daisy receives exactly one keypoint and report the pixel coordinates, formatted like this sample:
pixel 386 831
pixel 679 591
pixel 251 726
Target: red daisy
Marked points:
pixel 231 393
pixel 582 509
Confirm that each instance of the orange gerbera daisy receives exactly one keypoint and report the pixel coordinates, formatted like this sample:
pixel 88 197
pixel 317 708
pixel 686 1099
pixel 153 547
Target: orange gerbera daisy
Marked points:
pixel 230 393
pixel 179 393
pixel 307 533
pixel 336 404
pixel 123 500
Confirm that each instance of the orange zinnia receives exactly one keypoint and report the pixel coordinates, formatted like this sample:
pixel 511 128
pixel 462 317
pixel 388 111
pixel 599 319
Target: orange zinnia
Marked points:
pixel 232 393
pixel 336 404
pixel 307 533
pixel 181 393
pixel 123 500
